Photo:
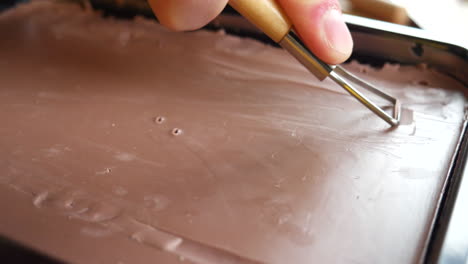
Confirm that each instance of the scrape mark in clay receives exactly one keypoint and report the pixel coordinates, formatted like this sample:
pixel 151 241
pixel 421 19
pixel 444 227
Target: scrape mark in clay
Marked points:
pixel 156 202
pixel 407 116
pixel 157 238
pixel 120 191
pixel 124 156
pixel 105 171
pixel 55 151
pixel 97 212
pixel 40 198
pixel 278 213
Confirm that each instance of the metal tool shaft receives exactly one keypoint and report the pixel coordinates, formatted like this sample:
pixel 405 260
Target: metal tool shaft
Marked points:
pixel 293 44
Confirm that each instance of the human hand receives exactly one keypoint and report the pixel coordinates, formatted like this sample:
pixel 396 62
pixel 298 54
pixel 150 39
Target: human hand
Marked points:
pixel 318 22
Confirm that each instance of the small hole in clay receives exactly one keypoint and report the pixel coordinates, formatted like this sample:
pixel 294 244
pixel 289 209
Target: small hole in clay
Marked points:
pixel 176 131
pixel 69 204
pixel 160 119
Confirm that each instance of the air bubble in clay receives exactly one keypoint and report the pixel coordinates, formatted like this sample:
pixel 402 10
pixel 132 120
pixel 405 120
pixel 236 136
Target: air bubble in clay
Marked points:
pixel 159 119
pixel 177 131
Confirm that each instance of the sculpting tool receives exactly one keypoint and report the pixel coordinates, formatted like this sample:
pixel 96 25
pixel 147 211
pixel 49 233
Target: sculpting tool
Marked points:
pixel 268 16
pixel 383 10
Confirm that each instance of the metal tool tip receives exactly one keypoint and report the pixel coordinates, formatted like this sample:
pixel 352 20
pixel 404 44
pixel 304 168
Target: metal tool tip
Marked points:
pixel 343 78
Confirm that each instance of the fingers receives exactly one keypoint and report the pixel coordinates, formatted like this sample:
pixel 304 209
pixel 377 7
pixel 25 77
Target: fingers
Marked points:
pixel 318 22
pixel 186 14
pixel 322 28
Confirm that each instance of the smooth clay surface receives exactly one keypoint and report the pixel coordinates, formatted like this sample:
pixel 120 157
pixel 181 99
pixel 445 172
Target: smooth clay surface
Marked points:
pixel 122 142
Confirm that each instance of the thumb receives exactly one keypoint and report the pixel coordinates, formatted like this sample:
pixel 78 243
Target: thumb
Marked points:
pixel 186 14
pixel 321 26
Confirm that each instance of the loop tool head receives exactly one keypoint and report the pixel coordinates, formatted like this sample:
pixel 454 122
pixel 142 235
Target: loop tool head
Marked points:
pixel 293 44
pixel 343 78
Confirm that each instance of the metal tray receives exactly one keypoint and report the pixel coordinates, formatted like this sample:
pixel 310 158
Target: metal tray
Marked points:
pixel 378 43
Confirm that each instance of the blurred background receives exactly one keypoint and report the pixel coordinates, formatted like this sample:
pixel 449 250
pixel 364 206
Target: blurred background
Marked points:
pixel 446 19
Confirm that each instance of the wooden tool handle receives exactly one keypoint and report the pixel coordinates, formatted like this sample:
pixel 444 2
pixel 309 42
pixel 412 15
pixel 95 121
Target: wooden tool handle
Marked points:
pixel 382 10
pixel 266 15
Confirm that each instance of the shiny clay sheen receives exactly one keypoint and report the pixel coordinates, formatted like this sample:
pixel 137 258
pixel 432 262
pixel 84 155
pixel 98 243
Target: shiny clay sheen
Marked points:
pixel 122 142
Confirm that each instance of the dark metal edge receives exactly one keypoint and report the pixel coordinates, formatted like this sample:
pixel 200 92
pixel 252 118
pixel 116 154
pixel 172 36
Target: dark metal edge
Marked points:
pixel 434 251
pixel 438 240
pixel 13 252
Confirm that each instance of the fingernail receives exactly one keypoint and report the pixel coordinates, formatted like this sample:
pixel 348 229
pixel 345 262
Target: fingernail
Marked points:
pixel 336 32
